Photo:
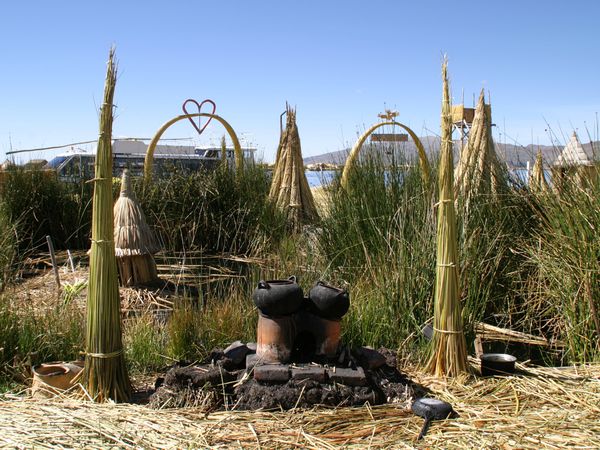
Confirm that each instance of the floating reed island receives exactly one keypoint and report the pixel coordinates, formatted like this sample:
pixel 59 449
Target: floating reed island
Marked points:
pixel 441 262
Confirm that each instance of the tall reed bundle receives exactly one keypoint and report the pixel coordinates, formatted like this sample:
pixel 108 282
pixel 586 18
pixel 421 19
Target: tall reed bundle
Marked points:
pixel 449 350
pixel 289 188
pixel 537 180
pixel 135 242
pixel 479 171
pixel 105 373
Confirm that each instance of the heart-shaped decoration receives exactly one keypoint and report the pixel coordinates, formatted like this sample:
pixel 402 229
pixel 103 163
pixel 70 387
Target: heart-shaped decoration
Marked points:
pixel 199 127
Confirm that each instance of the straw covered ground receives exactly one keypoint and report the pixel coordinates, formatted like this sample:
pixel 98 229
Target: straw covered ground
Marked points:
pixel 544 408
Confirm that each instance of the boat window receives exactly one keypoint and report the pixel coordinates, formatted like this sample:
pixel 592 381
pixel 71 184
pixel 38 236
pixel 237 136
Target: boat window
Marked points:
pixel 56 161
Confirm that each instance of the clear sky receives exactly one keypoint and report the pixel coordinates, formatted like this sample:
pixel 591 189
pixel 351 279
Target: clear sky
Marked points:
pixel 339 62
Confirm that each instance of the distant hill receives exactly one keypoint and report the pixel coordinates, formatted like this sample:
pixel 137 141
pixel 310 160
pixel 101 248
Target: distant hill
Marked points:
pixel 516 156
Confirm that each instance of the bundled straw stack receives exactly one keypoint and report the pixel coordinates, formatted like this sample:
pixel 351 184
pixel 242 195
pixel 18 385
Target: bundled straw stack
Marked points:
pixel 135 242
pixel 289 188
pixel 449 351
pixel 105 373
pixel 479 171
pixel 537 180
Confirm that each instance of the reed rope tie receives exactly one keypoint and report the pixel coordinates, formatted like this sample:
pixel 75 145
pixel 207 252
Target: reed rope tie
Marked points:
pixel 435 205
pixel 437 330
pixel 101 241
pixel 105 355
pixel 447 265
pixel 94 180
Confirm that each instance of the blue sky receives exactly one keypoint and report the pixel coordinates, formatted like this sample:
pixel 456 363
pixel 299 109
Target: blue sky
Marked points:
pixel 339 62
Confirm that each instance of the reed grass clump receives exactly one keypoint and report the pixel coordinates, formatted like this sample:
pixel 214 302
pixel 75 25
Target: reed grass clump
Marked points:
pixel 145 341
pixel 194 330
pixel 377 238
pixel 215 212
pixel 30 336
pixel 563 254
pixel 37 204
pixel 105 373
pixel 8 249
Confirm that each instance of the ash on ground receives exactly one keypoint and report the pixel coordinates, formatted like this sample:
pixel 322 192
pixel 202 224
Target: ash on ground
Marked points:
pixel 235 378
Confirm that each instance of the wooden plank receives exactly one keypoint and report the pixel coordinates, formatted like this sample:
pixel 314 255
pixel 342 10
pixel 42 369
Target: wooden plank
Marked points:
pixel 491 333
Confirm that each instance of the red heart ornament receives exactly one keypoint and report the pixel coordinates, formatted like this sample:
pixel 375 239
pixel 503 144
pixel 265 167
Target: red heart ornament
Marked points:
pixel 199 127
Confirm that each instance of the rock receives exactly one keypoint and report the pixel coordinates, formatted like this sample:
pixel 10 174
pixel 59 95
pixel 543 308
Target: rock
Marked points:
pixel 316 373
pixel 349 377
pixel 302 394
pixel 251 346
pixel 391 356
pixel 272 373
pixel 369 358
pixel 427 331
pixel 236 352
pixel 196 377
pixel 251 360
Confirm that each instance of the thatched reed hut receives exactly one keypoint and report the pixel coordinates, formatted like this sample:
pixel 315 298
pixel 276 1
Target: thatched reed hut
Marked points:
pixel 289 188
pixel 135 243
pixel 479 170
pixel 537 179
pixel 575 162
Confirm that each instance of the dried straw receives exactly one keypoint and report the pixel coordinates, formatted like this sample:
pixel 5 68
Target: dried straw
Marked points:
pixel 537 180
pixel 133 236
pixel 449 352
pixel 134 240
pixel 479 171
pixel 546 409
pixel 289 188
pixel 105 373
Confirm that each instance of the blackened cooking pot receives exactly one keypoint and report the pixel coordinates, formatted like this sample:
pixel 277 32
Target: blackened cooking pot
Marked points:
pixel 328 301
pixel 278 297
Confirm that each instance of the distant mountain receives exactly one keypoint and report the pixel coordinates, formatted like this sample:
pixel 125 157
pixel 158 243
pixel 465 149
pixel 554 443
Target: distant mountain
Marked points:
pixel 515 155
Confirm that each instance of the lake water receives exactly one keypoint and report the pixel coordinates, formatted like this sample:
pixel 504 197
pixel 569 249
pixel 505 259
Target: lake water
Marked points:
pixel 318 178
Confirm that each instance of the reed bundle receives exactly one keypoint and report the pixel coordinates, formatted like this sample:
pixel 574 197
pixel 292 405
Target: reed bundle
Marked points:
pixel 135 242
pixel 449 351
pixel 537 180
pixel 479 171
pixel 546 409
pixel 289 189
pixel 105 373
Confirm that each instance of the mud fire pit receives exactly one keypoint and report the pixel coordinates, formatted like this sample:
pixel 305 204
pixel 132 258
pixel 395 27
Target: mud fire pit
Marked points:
pixel 297 360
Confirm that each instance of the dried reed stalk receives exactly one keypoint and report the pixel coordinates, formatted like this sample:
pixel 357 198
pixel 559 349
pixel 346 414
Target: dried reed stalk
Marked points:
pixel 134 240
pixel 479 171
pixel 537 180
pixel 449 350
pixel 548 408
pixel 289 188
pixel 105 373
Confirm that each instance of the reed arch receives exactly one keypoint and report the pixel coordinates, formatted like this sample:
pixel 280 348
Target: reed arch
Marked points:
pixel 149 160
pixel 423 161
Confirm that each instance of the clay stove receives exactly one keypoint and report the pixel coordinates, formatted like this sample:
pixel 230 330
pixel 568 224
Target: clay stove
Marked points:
pixel 298 329
pixel 297 360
